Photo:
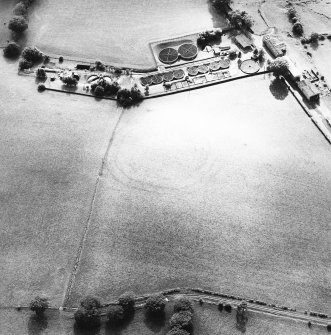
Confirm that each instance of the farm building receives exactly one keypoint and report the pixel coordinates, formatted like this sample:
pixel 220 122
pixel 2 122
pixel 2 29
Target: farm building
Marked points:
pixel 308 90
pixel 244 42
pixel 82 67
pixel 293 69
pixel 274 46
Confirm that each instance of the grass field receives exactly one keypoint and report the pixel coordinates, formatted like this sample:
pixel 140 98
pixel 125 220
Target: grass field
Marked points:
pixel 117 31
pixel 51 151
pixel 216 188
pixel 207 320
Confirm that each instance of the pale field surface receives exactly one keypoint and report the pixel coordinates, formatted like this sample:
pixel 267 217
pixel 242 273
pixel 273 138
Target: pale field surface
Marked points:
pixel 6 7
pixel 207 321
pixel 114 31
pixel 51 151
pixel 225 188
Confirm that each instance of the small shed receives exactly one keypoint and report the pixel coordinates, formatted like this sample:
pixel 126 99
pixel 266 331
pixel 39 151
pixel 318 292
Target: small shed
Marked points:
pixel 308 90
pixel 244 42
pixel 82 67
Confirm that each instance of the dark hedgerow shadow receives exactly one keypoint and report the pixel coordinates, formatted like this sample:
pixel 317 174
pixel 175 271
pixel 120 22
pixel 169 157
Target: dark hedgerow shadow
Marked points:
pixel 155 322
pixel 279 89
pixel 37 324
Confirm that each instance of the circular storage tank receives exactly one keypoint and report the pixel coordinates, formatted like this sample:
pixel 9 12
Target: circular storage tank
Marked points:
pixel 249 66
pixel 179 74
pixel 224 63
pixel 192 71
pixel 188 51
pixel 203 68
pixel 168 76
pixel 168 55
pixel 214 66
pixel 157 79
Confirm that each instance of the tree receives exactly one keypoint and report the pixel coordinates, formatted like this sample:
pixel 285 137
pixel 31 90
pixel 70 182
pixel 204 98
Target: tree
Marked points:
pixel 220 4
pixel 20 9
pixel 136 94
pixel 11 50
pixel 39 305
pixel 155 304
pixel 241 19
pixel 127 97
pixel 183 304
pixel 99 91
pixel 112 88
pixel 182 320
pixel 41 73
pixel 87 317
pixel 291 12
pixel 69 81
pixel 24 64
pixel 314 37
pixel 41 88
pixel 115 315
pixel 32 54
pixel 127 301
pixel 88 314
pixel 99 66
pixel 90 302
pixel 18 24
pixel 297 28
pixel 228 308
pixel 279 66
pixel 177 331
pixel 27 3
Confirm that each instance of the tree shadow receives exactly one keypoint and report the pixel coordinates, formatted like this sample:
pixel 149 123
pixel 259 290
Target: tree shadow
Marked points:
pixel 279 89
pixel 314 45
pixel 155 322
pixel 40 80
pixel 69 89
pixel 82 331
pixel 117 329
pixel 241 327
pixel 219 20
pixel 37 324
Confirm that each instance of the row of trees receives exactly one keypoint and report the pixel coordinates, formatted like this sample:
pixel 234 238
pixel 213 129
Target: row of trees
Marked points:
pixel 125 97
pixel 19 22
pixel 297 27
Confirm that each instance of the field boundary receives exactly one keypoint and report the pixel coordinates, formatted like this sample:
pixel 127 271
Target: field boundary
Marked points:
pixel 88 221
pixel 202 296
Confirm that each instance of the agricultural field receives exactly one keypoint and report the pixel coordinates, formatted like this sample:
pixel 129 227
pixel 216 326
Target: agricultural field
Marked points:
pixel 225 188
pixel 6 7
pixel 51 151
pixel 219 189
pixel 116 32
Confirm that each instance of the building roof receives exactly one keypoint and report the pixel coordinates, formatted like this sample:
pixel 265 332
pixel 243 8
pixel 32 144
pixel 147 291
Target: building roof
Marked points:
pixel 243 41
pixel 275 47
pixel 308 90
